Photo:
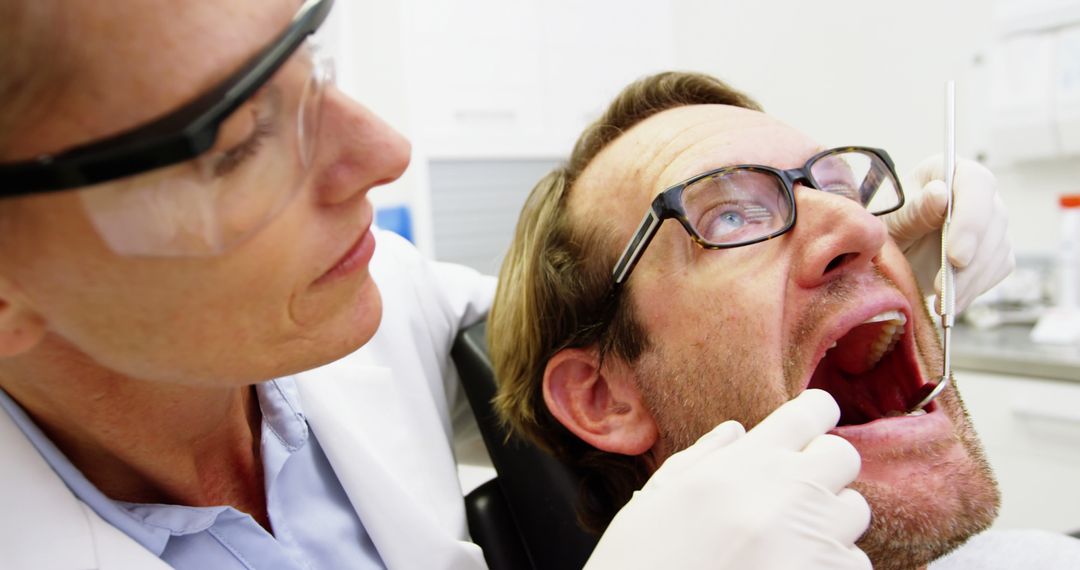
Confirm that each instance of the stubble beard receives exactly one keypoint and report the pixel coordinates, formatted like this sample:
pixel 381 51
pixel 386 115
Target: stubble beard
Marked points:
pixel 903 535
pixel 712 382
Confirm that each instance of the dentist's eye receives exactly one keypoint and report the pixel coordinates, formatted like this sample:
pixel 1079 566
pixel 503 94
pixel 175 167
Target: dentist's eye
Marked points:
pixel 234 157
pixel 243 134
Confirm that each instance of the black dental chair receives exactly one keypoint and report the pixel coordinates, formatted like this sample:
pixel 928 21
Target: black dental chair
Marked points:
pixel 525 517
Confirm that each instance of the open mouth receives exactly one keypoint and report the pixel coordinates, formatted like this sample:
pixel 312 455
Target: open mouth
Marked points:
pixel 871 370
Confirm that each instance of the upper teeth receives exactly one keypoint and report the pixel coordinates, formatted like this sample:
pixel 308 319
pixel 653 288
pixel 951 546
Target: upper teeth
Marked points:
pixel 890 334
pixel 887 316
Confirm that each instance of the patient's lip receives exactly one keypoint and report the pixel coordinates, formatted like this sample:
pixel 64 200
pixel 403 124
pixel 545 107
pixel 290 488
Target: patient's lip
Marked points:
pixel 896 435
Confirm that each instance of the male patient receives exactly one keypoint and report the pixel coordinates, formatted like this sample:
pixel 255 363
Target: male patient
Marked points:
pixel 620 340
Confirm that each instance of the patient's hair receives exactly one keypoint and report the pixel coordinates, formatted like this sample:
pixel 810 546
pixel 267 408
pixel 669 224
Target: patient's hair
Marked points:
pixel 554 289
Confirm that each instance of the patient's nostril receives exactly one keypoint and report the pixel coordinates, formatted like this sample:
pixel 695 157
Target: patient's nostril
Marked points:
pixel 838 261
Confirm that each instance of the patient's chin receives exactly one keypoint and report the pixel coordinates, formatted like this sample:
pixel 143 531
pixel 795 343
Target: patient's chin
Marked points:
pixel 914 524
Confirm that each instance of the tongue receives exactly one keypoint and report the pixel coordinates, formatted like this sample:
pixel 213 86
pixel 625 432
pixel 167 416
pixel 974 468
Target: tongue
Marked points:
pixel 857 404
pixel 851 352
pixel 865 375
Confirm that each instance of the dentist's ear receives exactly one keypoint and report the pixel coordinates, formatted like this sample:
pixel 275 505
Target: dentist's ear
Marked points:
pixel 21 328
pixel 603 407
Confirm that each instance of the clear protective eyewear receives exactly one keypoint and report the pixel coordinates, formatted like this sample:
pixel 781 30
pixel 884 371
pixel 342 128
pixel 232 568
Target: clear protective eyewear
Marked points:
pixel 745 204
pixel 210 174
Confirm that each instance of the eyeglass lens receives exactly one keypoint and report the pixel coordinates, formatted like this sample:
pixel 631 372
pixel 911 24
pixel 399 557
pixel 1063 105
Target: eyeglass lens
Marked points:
pixel 744 204
pixel 859 175
pixel 736 206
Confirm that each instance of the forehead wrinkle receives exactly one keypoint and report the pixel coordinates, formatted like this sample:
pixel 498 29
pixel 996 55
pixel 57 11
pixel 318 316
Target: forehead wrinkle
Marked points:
pixel 598 189
pixel 636 163
pixel 652 154
pixel 652 150
pixel 733 135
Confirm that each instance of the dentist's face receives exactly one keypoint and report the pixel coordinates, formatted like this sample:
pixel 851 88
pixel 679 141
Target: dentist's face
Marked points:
pixel 735 333
pixel 295 295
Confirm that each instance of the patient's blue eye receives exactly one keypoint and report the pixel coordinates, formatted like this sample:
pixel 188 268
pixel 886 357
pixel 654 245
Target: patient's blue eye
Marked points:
pixel 733 219
pixel 736 221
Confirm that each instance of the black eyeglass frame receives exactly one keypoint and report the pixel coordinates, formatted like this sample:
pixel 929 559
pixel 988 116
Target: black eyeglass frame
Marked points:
pixel 180 135
pixel 668 204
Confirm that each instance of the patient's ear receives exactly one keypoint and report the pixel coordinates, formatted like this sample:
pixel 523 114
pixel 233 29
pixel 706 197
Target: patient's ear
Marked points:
pixel 603 407
pixel 21 328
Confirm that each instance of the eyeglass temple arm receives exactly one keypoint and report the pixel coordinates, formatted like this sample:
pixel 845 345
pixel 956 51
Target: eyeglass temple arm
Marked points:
pixel 870 185
pixel 630 255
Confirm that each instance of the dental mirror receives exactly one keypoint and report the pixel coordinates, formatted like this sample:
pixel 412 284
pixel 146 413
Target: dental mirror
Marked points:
pixel 948 290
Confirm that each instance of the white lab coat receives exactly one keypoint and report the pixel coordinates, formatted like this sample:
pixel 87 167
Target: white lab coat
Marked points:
pixel 384 415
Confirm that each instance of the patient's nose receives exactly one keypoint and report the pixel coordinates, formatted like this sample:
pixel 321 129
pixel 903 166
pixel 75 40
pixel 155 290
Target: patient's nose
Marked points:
pixel 834 235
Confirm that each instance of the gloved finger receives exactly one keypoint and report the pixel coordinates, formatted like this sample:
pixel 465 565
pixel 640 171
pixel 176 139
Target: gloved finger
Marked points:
pixel 852 517
pixel 925 259
pixel 717 438
pixel 721 435
pixel 857 560
pixel 831 462
pixel 797 422
pixel 923 213
pixel 974 209
pixel 937 292
pixel 993 262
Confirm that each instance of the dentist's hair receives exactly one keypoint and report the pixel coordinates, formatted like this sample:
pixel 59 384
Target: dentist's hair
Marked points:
pixel 553 291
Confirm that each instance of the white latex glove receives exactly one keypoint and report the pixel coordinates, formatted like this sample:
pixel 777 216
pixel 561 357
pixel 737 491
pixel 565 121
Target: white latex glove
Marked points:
pixel 773 498
pixel 979 248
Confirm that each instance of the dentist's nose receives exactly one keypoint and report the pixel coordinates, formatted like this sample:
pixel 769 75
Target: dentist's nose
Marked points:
pixel 360 150
pixel 835 235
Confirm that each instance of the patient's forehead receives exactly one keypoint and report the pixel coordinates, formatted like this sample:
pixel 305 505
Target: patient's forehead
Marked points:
pixel 674 145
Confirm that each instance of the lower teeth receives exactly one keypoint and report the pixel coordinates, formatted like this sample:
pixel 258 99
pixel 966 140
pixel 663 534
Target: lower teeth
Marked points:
pixel 916 413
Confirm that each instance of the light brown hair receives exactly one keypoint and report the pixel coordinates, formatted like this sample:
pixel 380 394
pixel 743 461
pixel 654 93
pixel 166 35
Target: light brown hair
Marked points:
pixel 554 292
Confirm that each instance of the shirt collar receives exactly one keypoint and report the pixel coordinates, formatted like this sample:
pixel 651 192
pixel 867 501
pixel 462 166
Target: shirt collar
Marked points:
pixel 281 411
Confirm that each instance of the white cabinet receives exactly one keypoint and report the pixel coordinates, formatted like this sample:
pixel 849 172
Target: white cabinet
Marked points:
pixel 497 79
pixel 1030 429
pixel 1035 90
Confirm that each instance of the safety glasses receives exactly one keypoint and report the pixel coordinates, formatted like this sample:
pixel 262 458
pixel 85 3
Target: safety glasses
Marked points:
pixel 209 174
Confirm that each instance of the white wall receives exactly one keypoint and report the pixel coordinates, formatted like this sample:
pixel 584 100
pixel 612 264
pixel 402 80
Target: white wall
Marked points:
pixel 844 71
pixel 491 80
pixel 857 72
pixel 369 49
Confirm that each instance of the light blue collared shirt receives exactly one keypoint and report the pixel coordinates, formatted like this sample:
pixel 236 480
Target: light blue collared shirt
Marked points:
pixel 315 525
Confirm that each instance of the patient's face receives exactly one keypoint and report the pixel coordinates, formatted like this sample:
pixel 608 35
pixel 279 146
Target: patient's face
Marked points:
pixel 735 333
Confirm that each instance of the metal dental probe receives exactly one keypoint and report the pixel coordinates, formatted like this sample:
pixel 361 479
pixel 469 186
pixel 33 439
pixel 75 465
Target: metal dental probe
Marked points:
pixel 948 289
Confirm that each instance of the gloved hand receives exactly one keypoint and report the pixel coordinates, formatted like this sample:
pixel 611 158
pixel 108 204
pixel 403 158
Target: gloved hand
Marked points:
pixel 773 498
pixel 979 248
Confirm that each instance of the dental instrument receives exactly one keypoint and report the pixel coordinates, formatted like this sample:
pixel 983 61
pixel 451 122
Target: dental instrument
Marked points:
pixel 948 273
